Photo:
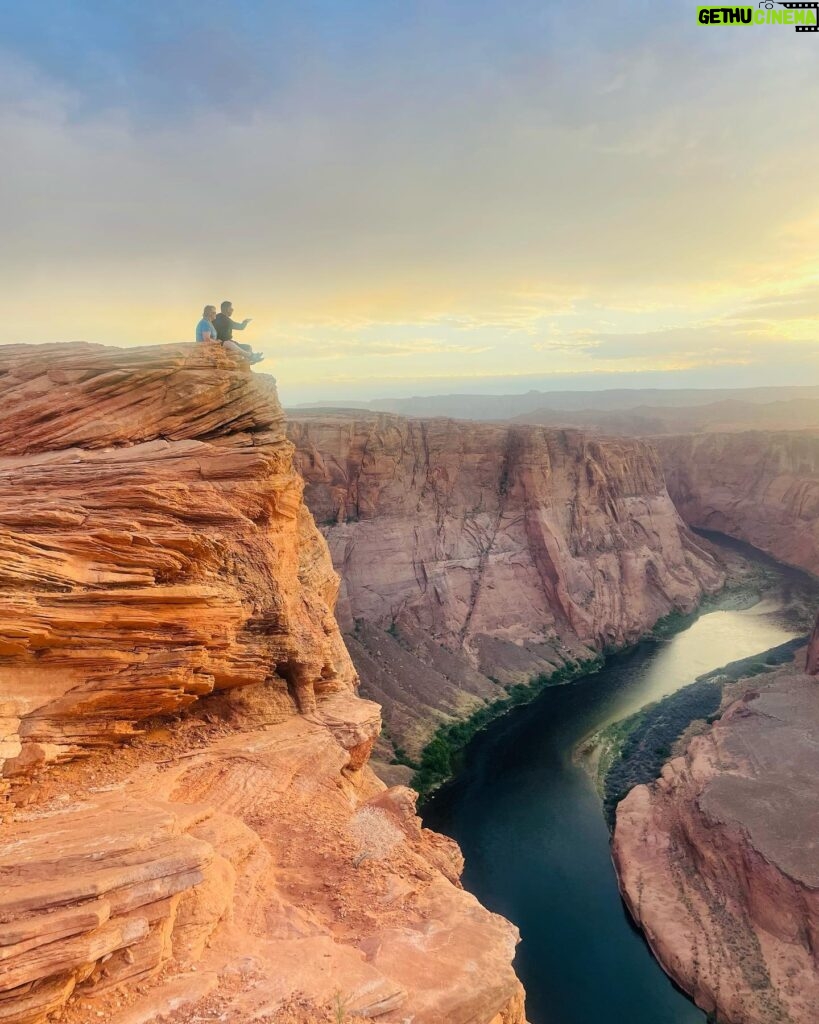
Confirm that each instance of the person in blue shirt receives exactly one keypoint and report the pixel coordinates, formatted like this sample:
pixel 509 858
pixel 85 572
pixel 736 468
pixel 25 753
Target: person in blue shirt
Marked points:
pixel 206 332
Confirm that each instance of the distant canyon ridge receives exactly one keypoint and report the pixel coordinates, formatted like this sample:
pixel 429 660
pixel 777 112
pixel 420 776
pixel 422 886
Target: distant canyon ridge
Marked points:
pixel 630 411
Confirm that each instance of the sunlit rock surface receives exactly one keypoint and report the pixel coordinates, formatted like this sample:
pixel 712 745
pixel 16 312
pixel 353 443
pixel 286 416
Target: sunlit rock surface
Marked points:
pixel 192 830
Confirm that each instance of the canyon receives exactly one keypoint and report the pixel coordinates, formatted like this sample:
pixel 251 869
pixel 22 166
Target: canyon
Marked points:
pixel 190 822
pixel 468 552
pixel 476 556
pixel 204 610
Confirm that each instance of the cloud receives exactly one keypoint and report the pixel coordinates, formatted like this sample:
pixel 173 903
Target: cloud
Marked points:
pixel 335 348
pixel 704 343
pixel 798 304
pixel 720 343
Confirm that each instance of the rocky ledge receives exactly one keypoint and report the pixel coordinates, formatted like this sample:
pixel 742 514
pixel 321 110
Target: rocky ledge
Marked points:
pixel 191 827
pixel 718 859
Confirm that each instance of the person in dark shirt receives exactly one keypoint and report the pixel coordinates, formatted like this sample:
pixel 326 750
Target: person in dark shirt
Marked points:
pixel 225 326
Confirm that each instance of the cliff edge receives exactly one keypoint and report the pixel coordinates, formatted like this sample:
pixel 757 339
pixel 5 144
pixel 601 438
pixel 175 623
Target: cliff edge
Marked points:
pixel 191 825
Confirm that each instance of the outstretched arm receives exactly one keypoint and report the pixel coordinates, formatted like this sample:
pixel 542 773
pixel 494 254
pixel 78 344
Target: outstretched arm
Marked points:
pixel 241 326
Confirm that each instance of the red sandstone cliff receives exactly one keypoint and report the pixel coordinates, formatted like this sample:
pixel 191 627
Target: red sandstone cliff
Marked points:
pixel 476 555
pixel 164 587
pixel 718 864
pixel 759 486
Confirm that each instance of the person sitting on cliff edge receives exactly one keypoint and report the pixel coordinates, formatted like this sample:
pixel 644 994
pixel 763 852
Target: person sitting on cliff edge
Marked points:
pixel 225 327
pixel 207 332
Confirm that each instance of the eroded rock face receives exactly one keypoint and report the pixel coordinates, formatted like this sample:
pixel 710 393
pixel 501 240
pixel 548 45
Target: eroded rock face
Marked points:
pixel 759 486
pixel 155 545
pixel 717 860
pixel 165 587
pixel 477 555
pixel 259 864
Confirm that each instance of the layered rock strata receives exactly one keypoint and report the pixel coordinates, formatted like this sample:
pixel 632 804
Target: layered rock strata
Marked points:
pixel 759 486
pixel 718 863
pixel 192 826
pixel 475 556
pixel 154 543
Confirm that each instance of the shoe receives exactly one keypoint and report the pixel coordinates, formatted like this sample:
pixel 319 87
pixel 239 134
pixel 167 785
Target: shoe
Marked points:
pixel 257 357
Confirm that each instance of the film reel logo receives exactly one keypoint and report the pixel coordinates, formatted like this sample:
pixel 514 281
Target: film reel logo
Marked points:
pixel 769 5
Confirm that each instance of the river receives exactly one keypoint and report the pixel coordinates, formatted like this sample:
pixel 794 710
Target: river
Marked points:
pixel 531 826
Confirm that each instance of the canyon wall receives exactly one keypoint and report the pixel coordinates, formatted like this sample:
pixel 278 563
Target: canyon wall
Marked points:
pixel 717 859
pixel 759 486
pixel 475 556
pixel 190 823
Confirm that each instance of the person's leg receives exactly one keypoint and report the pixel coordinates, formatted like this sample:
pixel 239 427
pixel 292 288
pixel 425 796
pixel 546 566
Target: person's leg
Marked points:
pixel 237 350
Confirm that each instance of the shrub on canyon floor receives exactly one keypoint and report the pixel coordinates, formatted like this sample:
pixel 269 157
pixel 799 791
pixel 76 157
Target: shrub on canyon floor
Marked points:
pixel 642 743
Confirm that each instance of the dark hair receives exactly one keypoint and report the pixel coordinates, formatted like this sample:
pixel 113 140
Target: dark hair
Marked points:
pixel 225 305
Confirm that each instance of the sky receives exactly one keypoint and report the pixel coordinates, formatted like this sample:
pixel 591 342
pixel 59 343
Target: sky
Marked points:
pixel 417 197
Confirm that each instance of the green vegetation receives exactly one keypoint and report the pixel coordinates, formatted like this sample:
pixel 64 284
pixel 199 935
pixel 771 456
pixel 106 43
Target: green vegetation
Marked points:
pixel 400 756
pixel 441 758
pixel 638 747
pixel 634 750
